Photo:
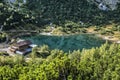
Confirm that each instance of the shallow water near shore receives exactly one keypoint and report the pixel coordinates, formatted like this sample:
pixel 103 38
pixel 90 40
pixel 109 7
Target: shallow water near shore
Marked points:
pixel 67 43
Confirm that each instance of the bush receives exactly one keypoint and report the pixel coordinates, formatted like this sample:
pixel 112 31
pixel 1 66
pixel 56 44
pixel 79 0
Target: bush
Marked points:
pixel 107 32
pixel 92 64
pixel 58 31
pixel 4 54
pixel 2 37
pixel 83 30
pixel 42 51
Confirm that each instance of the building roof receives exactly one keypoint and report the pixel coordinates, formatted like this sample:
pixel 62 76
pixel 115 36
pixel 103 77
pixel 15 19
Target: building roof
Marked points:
pixel 22 43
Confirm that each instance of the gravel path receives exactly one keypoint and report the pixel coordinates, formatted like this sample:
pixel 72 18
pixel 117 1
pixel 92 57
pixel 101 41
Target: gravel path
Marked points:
pixel 4 50
pixel 3 47
pixel 110 38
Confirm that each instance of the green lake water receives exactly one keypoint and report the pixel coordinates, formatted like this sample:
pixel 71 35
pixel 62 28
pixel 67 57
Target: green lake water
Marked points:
pixel 67 43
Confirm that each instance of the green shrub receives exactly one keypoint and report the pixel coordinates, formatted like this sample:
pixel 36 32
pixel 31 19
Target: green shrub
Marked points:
pixel 4 54
pixel 97 28
pixel 2 37
pixel 92 64
pixel 58 31
pixel 107 32
pixel 42 51
pixel 83 30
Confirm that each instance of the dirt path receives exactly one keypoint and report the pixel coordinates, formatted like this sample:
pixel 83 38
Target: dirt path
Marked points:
pixel 109 38
pixel 3 50
pixel 3 47
pixel 46 33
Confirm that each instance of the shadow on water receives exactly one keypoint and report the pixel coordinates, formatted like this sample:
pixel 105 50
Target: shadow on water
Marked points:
pixel 67 43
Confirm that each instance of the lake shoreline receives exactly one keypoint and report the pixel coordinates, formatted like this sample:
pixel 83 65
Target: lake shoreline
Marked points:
pixel 4 46
pixel 104 37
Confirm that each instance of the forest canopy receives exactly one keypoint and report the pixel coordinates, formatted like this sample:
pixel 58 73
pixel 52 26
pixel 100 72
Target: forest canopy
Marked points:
pixel 42 12
pixel 43 63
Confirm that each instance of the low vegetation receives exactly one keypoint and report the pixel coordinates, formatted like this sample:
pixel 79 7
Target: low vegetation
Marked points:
pixel 44 64
pixel 65 59
pixel 2 37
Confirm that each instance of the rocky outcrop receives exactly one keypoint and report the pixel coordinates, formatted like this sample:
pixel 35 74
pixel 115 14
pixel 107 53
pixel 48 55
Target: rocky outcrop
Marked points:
pixel 102 4
pixel 13 1
pixel 111 4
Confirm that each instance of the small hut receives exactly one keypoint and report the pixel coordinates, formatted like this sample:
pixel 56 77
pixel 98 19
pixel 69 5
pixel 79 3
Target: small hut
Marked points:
pixel 22 47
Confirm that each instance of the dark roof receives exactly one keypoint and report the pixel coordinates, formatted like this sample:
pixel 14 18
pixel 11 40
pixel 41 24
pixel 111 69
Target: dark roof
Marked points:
pixel 23 43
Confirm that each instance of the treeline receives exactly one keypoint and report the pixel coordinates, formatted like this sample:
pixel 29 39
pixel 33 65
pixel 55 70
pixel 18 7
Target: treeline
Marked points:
pixel 44 64
pixel 58 11
pixel 2 37
pixel 14 17
pixel 42 12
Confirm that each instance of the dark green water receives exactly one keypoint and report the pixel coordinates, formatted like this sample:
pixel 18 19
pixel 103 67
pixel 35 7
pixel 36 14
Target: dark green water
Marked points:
pixel 67 43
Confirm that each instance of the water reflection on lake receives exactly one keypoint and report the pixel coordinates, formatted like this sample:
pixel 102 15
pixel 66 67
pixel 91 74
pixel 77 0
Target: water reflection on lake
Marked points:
pixel 67 43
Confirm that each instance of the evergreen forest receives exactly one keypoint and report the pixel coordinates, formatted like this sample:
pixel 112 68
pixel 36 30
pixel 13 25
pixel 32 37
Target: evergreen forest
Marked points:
pixel 56 26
